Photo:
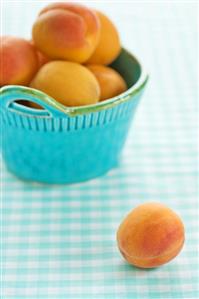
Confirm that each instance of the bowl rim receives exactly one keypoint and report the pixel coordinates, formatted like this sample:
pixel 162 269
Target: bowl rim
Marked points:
pixel 79 110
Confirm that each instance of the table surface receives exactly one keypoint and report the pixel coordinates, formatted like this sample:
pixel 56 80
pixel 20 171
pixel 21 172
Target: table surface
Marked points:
pixel 59 241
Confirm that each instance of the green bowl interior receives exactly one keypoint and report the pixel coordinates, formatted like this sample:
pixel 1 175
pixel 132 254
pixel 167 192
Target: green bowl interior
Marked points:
pixel 128 67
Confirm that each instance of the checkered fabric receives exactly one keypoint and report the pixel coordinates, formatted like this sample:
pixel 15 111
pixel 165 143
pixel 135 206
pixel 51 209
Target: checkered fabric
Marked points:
pixel 60 241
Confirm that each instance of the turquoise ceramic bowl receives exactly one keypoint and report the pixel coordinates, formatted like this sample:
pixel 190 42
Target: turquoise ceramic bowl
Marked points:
pixel 68 144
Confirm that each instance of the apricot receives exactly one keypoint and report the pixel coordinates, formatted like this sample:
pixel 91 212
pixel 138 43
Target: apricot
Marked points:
pixel 109 45
pixel 65 31
pixel 151 235
pixel 18 61
pixel 41 57
pixel 111 82
pixel 67 82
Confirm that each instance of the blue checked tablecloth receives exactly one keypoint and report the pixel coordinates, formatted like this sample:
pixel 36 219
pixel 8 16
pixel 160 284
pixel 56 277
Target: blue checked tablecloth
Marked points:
pixel 59 241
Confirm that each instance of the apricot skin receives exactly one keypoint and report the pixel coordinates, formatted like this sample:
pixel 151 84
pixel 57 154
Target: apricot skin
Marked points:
pixel 111 82
pixel 41 57
pixel 109 46
pixel 69 83
pixel 66 31
pixel 18 62
pixel 151 235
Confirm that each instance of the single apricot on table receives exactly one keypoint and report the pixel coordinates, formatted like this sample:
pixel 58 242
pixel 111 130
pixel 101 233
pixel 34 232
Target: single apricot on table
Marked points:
pixel 19 61
pixel 69 83
pixel 151 235
pixel 110 81
pixel 66 31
